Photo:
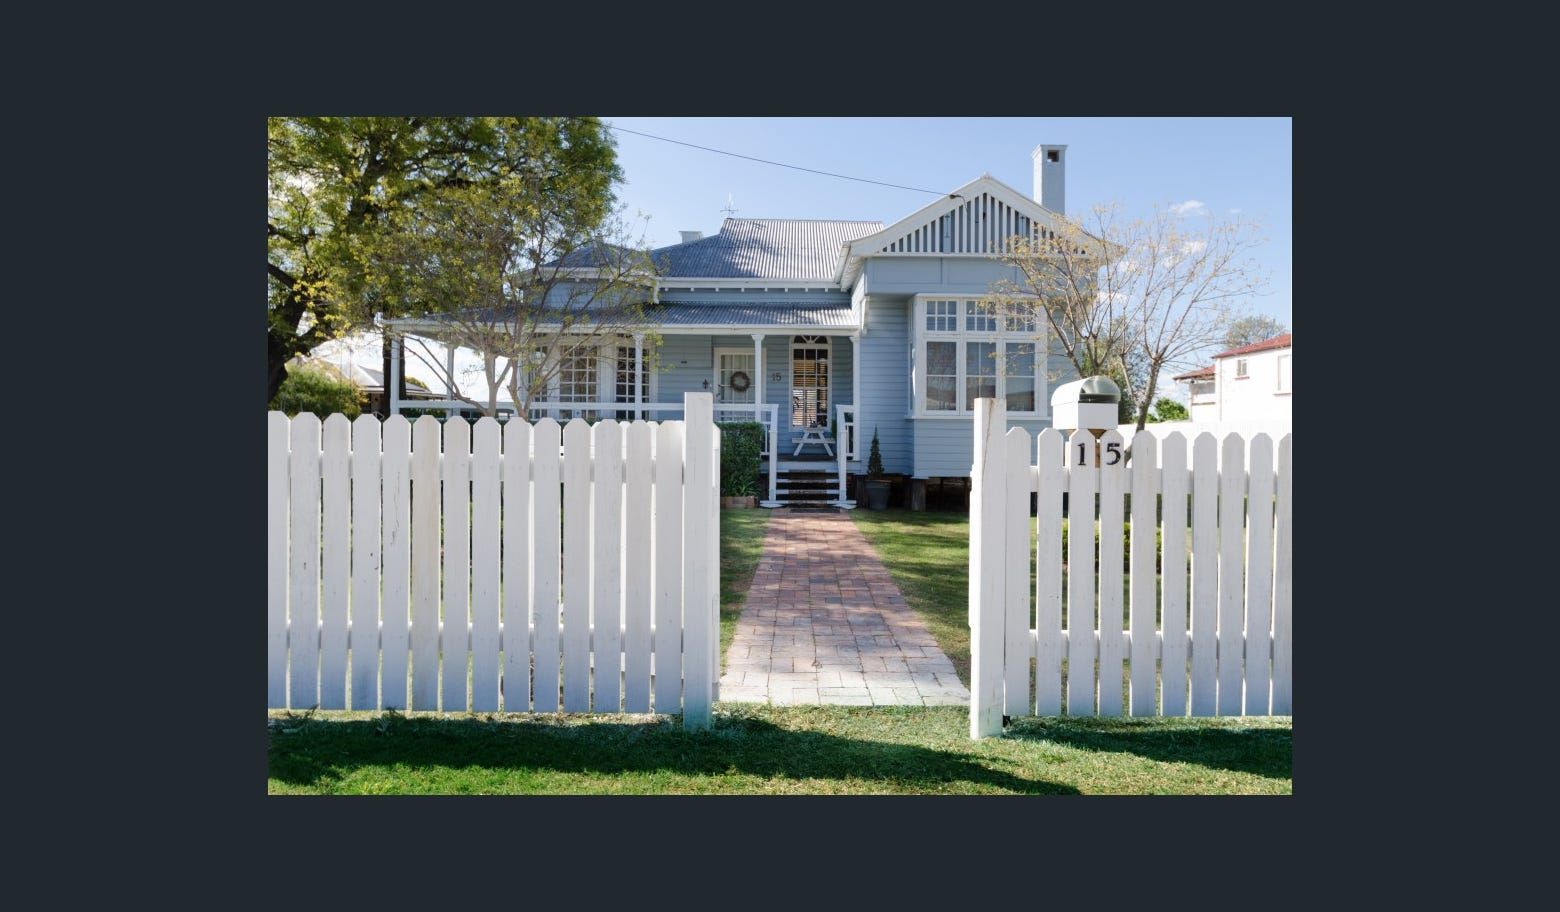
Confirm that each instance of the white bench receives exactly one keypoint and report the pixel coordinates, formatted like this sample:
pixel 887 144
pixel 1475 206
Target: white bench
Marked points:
pixel 815 435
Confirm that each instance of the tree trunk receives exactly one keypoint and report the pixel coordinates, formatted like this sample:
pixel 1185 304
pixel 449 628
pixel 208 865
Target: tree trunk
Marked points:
pixel 1148 396
pixel 387 359
pixel 276 355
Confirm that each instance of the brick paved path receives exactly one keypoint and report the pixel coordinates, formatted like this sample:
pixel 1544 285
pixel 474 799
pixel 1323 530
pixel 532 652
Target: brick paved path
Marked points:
pixel 824 623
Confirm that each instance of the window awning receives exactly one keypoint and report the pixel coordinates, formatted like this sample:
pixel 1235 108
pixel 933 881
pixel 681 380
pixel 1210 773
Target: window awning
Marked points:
pixel 679 315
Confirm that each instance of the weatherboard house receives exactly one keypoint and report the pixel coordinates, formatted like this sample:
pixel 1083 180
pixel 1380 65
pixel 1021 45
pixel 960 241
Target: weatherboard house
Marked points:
pixel 830 332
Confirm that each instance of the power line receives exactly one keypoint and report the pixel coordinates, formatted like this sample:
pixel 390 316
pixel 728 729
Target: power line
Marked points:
pixel 779 164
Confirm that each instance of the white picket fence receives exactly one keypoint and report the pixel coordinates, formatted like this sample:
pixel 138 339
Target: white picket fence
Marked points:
pixel 425 565
pixel 1235 657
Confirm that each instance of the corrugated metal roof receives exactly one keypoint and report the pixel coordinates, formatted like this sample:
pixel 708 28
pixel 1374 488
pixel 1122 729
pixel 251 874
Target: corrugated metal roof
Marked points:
pixel 818 316
pixel 764 249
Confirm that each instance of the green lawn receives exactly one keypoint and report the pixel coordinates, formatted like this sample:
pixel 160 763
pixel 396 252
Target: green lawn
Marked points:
pixel 754 749
pixel 741 543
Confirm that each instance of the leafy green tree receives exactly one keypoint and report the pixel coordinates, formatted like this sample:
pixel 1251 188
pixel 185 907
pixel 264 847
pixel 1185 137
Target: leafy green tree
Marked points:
pixel 1169 410
pixel 333 185
pixel 1252 328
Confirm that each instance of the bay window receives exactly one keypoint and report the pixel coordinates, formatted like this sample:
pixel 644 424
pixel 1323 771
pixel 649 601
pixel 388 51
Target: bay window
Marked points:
pixel 965 350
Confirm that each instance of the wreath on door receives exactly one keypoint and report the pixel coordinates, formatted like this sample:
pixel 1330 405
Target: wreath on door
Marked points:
pixel 740 381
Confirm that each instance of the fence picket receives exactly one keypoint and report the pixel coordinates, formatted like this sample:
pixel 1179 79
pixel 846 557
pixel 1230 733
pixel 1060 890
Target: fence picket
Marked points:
pixel 1048 573
pixel 544 567
pixel 1259 575
pixel 454 639
pixel 335 560
pixel 606 595
pixel 1016 641
pixel 1144 607
pixel 485 494
pixel 1232 490
pixel 516 685
pixel 365 563
pixel 988 529
pixel 395 512
pixel 1112 545
pixel 303 572
pixel 1205 574
pixel 1172 661
pixel 667 661
pixel 1283 583
pixel 701 601
pixel 425 563
pixel 1081 483
pixel 276 460
pixel 576 566
pixel 638 567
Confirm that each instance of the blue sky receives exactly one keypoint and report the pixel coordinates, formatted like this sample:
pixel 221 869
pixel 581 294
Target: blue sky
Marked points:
pixel 1224 163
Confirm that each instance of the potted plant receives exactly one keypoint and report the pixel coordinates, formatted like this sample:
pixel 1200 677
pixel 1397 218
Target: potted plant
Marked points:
pixel 877 486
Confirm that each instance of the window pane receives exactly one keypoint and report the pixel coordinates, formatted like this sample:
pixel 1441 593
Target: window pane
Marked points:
pixel 979 317
pixel 942 358
pixel 978 388
pixel 809 386
pixel 942 380
pixel 940 393
pixel 980 359
pixel 1021 394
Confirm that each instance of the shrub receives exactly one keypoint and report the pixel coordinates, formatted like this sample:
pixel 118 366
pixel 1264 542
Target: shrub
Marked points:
pixel 875 459
pixel 1169 410
pixel 741 442
pixel 1126 545
pixel 308 390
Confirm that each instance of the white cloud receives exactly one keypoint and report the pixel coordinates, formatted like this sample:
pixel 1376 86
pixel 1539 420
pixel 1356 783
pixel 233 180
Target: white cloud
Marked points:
pixel 1190 207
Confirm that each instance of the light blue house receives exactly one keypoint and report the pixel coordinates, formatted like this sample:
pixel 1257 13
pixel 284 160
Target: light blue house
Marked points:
pixel 830 331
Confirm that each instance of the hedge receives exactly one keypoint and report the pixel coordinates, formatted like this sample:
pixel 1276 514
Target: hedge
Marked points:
pixel 306 389
pixel 741 442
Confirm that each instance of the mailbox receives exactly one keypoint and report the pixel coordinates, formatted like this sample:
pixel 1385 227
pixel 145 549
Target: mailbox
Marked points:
pixel 1088 403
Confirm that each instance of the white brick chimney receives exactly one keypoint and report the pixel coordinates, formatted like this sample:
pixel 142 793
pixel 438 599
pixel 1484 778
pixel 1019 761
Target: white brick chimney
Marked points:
pixel 1051 177
pixel 699 235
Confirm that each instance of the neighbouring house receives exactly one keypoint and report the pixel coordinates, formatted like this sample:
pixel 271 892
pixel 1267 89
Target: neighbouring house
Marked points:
pixel 1250 385
pixel 830 331
pixel 359 357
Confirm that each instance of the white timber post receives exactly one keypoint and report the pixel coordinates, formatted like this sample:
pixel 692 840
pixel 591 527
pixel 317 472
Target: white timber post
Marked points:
pixel 855 396
pixel 758 371
pixel 449 378
pixel 700 608
pixel 397 352
pixel 987 581
pixel 639 376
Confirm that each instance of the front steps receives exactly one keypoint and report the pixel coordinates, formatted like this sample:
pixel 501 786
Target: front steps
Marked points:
pixel 806 489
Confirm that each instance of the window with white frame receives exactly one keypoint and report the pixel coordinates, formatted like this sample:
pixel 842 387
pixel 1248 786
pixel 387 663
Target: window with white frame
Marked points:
pixel 1240 369
pixel 1285 375
pixel 578 376
pixel 966 349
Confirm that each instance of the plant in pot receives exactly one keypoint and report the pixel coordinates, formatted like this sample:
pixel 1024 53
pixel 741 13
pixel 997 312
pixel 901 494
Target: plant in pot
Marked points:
pixel 877 485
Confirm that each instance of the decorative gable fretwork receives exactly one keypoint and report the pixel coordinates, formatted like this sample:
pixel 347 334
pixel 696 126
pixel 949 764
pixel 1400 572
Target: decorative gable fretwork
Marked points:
pixel 983 224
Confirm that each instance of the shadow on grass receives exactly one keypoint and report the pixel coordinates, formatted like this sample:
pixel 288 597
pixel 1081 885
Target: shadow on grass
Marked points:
pixel 1258 751
pixel 318 752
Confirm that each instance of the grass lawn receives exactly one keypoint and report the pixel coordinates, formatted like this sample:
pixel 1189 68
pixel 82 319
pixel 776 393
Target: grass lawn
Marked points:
pixel 741 543
pixel 756 749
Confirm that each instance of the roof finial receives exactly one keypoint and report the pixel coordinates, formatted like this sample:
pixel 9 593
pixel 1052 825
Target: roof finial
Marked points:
pixel 731 207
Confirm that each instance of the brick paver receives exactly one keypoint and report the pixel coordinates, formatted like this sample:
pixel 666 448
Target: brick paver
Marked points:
pixel 824 623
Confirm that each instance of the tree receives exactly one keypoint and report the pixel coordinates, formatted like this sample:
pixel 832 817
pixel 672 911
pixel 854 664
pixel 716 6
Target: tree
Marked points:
pixel 534 288
pixel 334 183
pixel 1137 294
pixel 1169 410
pixel 1252 328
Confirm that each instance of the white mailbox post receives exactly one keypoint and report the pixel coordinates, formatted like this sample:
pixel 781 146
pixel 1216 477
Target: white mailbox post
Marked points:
pixel 1088 403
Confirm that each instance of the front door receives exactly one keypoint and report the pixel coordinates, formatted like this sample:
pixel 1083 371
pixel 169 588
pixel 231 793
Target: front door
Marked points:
pixel 734 379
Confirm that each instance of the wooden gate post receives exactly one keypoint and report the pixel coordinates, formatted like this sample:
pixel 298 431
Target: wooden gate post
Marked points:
pixel 987 586
pixel 701 542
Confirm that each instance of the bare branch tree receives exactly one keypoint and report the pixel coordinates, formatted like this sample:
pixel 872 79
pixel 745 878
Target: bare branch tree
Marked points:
pixel 1132 297
pixel 533 292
